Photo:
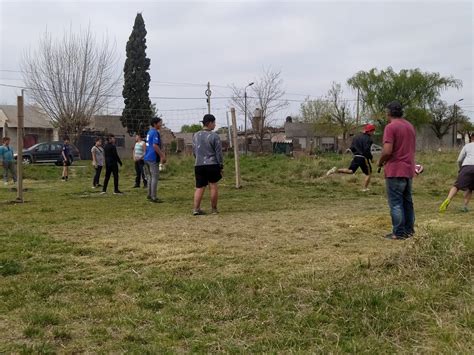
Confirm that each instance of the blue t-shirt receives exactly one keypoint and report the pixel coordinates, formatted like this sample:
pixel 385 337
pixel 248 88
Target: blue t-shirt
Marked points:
pixel 67 151
pixel 152 137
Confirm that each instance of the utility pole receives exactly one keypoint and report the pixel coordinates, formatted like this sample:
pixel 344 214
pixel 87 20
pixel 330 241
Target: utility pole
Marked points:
pixel 208 95
pixel 19 159
pixel 455 125
pixel 229 137
pixel 357 115
pixel 238 181
pixel 245 115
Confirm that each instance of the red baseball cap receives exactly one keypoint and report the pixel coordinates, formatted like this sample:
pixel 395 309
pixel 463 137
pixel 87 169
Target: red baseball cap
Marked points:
pixel 369 128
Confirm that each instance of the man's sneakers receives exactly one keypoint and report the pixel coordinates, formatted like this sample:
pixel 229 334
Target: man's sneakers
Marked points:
pixel 444 206
pixel 331 171
pixel 155 200
pixel 464 209
pixel 118 192
pixel 198 212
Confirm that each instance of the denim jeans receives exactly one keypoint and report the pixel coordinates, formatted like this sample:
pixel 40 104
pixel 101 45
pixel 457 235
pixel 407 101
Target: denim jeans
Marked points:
pixel 140 172
pixel 9 166
pixel 95 180
pixel 152 174
pixel 400 201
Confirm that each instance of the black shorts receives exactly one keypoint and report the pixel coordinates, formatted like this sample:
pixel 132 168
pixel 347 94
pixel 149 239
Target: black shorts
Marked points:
pixel 362 163
pixel 465 180
pixel 66 162
pixel 206 174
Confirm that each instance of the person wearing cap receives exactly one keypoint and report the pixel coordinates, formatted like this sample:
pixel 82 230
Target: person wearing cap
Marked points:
pixel 209 163
pixel 398 160
pixel 154 155
pixel 360 148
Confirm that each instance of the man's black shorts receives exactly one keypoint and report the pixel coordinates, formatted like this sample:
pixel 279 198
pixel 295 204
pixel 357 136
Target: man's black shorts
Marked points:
pixel 465 180
pixel 362 163
pixel 206 174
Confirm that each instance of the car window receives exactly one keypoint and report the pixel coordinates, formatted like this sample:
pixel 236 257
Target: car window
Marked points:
pixel 56 147
pixel 43 147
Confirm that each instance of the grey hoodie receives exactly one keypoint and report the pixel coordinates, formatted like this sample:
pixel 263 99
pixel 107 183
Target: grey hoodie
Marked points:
pixel 207 148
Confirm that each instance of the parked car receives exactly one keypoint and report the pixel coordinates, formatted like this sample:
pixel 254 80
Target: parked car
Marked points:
pixel 48 152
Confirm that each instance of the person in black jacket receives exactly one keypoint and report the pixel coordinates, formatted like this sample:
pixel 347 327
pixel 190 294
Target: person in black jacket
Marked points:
pixel 362 156
pixel 112 160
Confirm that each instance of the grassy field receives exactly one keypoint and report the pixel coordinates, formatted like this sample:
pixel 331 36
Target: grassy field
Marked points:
pixel 295 262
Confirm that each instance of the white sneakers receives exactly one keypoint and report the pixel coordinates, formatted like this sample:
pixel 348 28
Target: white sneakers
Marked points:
pixel 331 171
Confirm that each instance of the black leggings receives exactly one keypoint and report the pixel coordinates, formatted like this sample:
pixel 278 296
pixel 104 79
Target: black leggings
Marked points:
pixel 98 170
pixel 111 169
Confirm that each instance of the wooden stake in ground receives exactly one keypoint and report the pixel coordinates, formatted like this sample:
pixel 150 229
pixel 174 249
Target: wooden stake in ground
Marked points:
pixel 238 181
pixel 19 159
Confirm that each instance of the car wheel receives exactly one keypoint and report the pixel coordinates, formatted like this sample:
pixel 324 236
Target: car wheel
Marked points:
pixel 27 160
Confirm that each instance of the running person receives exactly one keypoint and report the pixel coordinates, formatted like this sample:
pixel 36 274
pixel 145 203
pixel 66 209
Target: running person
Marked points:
pixel 465 180
pixel 360 148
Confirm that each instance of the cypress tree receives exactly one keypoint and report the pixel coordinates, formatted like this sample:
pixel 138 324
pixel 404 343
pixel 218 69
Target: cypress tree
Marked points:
pixel 137 113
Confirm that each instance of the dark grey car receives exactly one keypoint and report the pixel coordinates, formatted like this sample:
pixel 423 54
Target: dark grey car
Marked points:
pixel 48 152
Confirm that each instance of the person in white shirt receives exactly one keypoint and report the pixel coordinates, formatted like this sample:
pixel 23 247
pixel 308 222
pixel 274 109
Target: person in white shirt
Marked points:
pixel 465 180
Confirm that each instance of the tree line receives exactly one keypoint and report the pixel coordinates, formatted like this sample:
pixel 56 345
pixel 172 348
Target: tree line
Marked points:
pixel 73 78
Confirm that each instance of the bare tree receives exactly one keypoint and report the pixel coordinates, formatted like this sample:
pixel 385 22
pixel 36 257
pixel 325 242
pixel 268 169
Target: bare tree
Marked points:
pixel 267 95
pixel 442 118
pixel 340 111
pixel 71 79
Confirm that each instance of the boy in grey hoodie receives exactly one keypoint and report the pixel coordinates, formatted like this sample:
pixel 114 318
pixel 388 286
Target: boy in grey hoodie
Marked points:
pixel 209 163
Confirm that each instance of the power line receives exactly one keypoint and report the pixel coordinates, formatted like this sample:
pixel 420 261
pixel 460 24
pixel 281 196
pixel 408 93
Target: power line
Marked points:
pixel 165 83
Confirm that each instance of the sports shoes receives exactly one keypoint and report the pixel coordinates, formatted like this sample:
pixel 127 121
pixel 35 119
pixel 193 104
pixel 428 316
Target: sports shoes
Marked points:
pixel 103 192
pixel 365 190
pixel 136 186
pixel 392 236
pixel 198 212
pixel 118 193
pixel 331 171
pixel 444 206
pixel 214 211
pixel 156 200
pixel 464 209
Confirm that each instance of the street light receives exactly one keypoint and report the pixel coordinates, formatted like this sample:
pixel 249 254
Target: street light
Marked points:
pixel 245 113
pixel 455 130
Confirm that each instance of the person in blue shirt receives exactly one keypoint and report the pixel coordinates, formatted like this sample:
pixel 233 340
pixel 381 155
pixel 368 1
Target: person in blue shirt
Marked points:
pixel 8 160
pixel 154 155
pixel 66 157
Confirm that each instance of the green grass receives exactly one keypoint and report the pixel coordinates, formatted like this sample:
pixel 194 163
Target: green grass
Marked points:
pixel 295 262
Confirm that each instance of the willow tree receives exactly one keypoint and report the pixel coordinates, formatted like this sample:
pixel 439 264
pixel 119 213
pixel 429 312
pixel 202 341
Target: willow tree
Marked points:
pixel 413 88
pixel 70 78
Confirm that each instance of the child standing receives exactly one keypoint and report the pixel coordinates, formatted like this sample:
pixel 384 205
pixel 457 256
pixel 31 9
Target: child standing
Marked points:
pixel 8 160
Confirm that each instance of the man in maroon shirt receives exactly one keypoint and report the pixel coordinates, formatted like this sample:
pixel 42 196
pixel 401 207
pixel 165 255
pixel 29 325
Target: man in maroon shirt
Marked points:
pixel 398 159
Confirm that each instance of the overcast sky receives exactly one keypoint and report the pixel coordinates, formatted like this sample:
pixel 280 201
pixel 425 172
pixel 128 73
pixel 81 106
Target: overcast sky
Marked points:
pixel 312 43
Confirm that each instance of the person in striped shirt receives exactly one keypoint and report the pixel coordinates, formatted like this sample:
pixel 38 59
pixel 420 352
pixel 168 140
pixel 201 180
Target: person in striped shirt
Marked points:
pixel 139 150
